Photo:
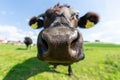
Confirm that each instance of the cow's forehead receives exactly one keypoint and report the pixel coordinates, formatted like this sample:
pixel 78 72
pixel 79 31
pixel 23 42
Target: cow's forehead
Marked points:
pixel 65 9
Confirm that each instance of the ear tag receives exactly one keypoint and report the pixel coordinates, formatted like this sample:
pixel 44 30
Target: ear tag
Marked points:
pixel 89 24
pixel 35 25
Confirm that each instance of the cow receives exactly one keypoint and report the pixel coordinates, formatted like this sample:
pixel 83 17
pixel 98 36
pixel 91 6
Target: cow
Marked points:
pixel 28 42
pixel 60 42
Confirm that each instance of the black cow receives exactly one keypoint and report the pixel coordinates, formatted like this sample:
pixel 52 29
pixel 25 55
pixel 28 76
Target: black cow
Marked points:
pixel 27 41
pixel 60 43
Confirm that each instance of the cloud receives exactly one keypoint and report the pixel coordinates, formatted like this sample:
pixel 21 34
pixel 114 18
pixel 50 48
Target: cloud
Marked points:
pixel 108 31
pixel 112 27
pixel 3 12
pixel 13 33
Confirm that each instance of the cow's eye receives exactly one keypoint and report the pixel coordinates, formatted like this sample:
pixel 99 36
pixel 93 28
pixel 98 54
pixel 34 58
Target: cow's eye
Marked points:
pixel 74 15
pixel 77 16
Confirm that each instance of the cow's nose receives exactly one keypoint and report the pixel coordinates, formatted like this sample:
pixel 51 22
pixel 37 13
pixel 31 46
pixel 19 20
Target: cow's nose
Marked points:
pixel 60 44
pixel 59 36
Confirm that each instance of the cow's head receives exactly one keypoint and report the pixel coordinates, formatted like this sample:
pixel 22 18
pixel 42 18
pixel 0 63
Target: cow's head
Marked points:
pixel 60 42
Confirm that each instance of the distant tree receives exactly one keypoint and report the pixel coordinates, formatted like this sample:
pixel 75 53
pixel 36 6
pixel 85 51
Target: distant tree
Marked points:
pixel 97 40
pixel 86 41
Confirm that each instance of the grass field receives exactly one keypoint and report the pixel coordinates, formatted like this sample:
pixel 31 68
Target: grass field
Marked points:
pixel 102 62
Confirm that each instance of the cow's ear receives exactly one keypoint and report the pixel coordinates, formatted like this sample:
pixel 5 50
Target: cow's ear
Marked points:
pixel 35 23
pixel 88 20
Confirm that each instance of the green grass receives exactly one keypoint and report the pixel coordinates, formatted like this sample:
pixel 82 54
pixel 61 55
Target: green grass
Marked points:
pixel 102 62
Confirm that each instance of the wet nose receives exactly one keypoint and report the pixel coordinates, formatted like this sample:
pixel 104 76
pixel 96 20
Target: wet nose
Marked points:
pixel 59 36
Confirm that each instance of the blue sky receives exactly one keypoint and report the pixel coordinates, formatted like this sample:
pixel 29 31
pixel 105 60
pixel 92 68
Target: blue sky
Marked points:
pixel 15 14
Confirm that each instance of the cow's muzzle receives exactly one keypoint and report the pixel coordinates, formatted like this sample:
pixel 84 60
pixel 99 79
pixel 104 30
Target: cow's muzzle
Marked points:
pixel 60 45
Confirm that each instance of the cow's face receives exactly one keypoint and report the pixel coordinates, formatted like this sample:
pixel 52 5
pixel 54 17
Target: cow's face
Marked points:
pixel 65 13
pixel 60 42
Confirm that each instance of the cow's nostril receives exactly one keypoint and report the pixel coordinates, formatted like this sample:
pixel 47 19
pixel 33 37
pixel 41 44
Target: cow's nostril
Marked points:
pixel 45 43
pixel 74 42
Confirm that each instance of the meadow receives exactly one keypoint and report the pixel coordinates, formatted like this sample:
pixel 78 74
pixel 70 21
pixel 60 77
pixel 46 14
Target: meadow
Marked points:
pixel 102 62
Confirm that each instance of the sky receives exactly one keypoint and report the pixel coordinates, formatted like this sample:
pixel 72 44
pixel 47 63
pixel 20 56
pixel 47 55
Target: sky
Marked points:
pixel 15 14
